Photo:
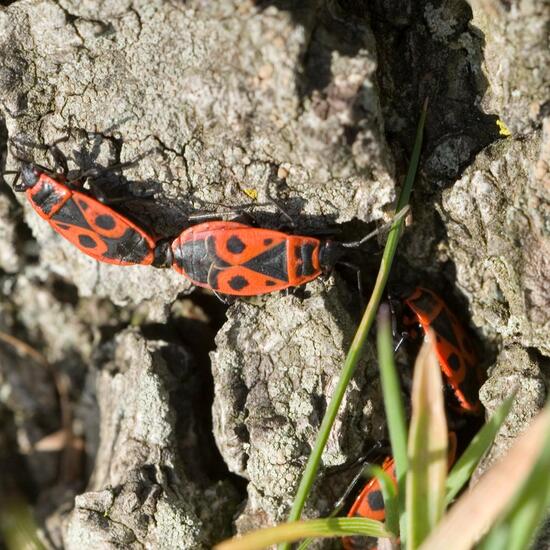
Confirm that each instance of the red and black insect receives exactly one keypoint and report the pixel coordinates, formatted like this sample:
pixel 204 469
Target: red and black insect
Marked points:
pixel 93 227
pixel 424 309
pixel 370 502
pixel 243 260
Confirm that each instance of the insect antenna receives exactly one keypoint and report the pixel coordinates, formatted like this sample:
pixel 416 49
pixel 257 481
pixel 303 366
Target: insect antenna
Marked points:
pixel 399 216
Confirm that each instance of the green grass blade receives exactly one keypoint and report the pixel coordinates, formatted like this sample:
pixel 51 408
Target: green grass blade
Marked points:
pixel 290 532
pixel 356 348
pixel 304 545
pixel 395 410
pixel 389 492
pixel 467 463
pixel 405 195
pixel 528 508
pixel 497 541
pixel 18 528
pixel 338 508
pixel 425 489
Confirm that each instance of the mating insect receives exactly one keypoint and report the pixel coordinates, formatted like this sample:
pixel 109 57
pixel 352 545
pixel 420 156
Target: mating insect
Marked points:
pixel 93 227
pixel 243 260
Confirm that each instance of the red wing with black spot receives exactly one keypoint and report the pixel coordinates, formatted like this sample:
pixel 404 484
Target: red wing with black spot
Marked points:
pixel 454 349
pixel 234 258
pixel 370 504
pixel 94 228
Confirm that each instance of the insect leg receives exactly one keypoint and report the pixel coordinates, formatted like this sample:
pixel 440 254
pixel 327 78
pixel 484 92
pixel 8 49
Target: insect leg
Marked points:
pixel 274 202
pixel 97 172
pixel 234 215
pixel 364 463
pixel 359 282
pixel 59 158
pixel 224 298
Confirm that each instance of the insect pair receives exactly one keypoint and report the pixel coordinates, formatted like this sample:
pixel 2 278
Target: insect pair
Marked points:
pixel 227 257
pixel 423 309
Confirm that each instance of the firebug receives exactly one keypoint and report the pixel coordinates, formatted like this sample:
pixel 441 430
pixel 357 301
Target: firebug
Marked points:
pixel 93 227
pixel 455 351
pixel 242 260
pixel 370 502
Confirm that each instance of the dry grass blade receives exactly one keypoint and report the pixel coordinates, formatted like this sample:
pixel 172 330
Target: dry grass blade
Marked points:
pixel 313 528
pixel 474 513
pixel 18 528
pixel 72 447
pixel 427 447
pixel 23 349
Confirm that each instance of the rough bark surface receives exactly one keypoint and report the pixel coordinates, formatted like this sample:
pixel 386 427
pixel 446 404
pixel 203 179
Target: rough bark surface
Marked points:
pixel 127 433
pixel 516 57
pixel 150 495
pixel 497 214
pixel 514 368
pixel 274 367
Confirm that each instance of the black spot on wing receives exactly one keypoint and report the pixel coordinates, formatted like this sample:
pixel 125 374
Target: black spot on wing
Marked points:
pixel 131 247
pixel 454 361
pixel 235 245
pixel 105 221
pixel 270 283
pixel 86 241
pixel 443 326
pixel 63 226
pixel 267 242
pixel 70 214
pixel 304 254
pixel 47 197
pixel 271 263
pixel 375 500
pixel 238 282
pixel 215 263
pixel 83 204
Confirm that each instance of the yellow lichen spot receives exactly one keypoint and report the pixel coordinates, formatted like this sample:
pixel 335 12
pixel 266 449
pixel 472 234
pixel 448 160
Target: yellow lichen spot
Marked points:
pixel 503 129
pixel 251 193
